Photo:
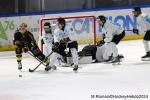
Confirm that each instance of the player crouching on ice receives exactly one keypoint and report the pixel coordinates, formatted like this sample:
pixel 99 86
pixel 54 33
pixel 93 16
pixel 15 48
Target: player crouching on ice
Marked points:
pixel 113 35
pixel 64 37
pixel 143 23
pixel 24 41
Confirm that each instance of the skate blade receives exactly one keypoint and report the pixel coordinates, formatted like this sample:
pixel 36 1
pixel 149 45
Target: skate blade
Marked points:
pixel 145 59
pixel 54 68
pixel 66 65
pixel 48 69
pixel 19 68
pixel 117 63
pixel 107 62
pixel 75 71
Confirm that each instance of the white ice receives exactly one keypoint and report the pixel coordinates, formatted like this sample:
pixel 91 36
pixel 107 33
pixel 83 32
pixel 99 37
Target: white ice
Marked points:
pixel 131 77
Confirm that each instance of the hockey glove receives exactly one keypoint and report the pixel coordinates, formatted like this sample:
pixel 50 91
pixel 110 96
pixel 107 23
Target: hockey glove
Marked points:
pixel 100 43
pixel 103 36
pixel 136 31
pixel 55 47
pixel 67 39
pixel 42 41
pixel 18 43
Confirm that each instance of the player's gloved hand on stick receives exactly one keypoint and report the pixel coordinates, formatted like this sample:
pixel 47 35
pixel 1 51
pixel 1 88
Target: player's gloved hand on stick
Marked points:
pixel 100 42
pixel 66 39
pixel 103 36
pixel 42 41
pixel 136 31
pixel 18 43
pixel 55 47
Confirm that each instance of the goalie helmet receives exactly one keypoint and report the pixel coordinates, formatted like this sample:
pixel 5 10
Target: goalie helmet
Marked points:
pixel 47 25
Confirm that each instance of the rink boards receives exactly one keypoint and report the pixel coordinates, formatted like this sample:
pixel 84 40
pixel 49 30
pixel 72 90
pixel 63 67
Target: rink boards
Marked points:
pixel 121 16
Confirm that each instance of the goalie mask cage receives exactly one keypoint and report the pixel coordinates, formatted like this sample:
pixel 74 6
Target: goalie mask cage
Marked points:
pixel 84 26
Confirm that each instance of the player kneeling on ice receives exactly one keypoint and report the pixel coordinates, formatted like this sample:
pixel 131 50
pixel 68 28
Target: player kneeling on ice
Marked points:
pixel 143 23
pixel 64 37
pixel 24 41
pixel 113 35
pixel 47 39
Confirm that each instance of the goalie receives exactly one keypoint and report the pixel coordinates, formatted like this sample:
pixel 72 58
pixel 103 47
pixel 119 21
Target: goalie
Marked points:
pixel 24 42
pixel 64 37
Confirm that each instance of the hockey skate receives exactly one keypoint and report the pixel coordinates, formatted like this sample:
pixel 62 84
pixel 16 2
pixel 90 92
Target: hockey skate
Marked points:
pixel 108 61
pixel 116 60
pixel 146 57
pixel 19 65
pixel 75 68
pixel 54 67
pixel 50 67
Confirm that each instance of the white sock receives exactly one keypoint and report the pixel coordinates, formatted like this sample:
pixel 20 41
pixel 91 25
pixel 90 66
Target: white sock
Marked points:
pixel 146 45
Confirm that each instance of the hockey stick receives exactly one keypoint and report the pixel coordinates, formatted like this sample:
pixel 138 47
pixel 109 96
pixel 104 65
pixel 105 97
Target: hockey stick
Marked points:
pixel 41 62
pixel 35 58
pixel 131 30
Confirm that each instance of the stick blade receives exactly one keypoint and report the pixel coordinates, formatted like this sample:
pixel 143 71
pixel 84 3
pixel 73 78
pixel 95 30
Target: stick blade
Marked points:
pixel 30 70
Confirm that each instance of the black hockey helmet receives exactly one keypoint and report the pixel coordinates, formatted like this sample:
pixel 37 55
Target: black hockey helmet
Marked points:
pixel 137 9
pixel 47 25
pixel 102 18
pixel 61 21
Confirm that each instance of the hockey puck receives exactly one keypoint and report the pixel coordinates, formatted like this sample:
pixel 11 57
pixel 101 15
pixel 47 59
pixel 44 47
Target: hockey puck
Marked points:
pixel 20 75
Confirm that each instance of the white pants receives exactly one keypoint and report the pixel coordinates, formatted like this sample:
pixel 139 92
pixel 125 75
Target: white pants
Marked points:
pixel 100 54
pixel 74 55
pixel 56 59
pixel 110 49
pixel 146 45
pixel 104 52
pixel 47 49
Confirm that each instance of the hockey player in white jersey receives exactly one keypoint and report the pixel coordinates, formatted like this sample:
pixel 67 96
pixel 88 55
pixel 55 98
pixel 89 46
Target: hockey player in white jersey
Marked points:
pixel 64 37
pixel 113 35
pixel 143 25
pixel 47 38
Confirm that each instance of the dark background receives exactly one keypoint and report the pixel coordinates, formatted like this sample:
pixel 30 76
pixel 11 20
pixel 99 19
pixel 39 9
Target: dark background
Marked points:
pixel 28 6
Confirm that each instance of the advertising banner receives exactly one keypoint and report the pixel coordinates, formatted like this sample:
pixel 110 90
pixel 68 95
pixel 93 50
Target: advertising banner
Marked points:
pixel 122 17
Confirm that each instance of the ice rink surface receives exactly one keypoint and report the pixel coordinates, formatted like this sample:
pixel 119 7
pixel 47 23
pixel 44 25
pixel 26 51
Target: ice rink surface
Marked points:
pixel 132 77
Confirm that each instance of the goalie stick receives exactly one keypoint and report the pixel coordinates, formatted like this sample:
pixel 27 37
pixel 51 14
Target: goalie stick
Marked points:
pixel 41 62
